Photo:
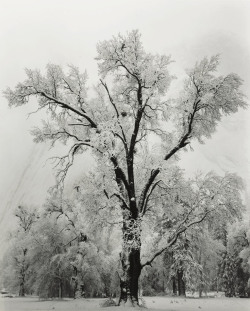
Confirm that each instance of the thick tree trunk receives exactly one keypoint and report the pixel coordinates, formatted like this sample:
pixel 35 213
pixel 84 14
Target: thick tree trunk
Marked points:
pixel 131 265
pixel 181 283
pixel 21 285
pixel 129 281
pixel 78 287
pixel 78 290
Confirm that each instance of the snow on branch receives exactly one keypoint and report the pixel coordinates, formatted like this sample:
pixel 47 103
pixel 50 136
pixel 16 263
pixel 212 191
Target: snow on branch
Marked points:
pixel 173 238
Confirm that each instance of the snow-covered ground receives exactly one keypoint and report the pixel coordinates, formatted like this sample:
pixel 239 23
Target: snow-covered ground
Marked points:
pixel 152 303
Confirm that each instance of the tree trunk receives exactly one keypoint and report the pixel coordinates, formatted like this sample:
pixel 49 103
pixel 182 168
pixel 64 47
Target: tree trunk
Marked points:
pixel 201 275
pixel 181 283
pixel 79 290
pixel 129 281
pixel 200 292
pixel 201 284
pixel 22 274
pixel 174 286
pixel 163 283
pixel 60 289
pixel 131 265
pixel 77 286
pixel 21 289
pixel 21 285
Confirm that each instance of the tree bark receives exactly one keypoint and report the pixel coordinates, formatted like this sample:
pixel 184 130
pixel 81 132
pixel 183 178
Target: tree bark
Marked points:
pixel 174 286
pixel 200 292
pixel 21 289
pixel 22 282
pixel 77 286
pixel 201 274
pixel 60 289
pixel 201 284
pixel 181 283
pixel 22 274
pixel 129 281
pixel 131 265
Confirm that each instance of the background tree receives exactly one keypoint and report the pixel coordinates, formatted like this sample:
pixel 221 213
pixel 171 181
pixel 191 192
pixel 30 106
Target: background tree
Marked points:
pixel 245 253
pixel 197 249
pixel 116 125
pixel 235 272
pixel 67 260
pixel 17 261
pixel 198 259
pixel 155 278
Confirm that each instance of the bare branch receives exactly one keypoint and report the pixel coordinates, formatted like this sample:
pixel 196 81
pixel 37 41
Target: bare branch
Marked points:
pixel 63 132
pixel 144 206
pixel 120 176
pixel 124 204
pixel 146 188
pixel 66 106
pixel 123 138
pixel 110 98
pixel 61 175
pixel 183 142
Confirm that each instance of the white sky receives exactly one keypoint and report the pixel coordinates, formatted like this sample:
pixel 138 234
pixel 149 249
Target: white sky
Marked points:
pixel 33 33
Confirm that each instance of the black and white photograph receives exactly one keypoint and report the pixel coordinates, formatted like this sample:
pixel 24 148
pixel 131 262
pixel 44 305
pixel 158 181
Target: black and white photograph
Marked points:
pixel 125 155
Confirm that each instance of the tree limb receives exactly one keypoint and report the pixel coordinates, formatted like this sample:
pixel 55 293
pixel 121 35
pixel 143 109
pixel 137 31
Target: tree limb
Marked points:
pixel 172 239
pixel 141 204
pixel 123 138
pixel 184 139
pixel 66 106
pixel 119 175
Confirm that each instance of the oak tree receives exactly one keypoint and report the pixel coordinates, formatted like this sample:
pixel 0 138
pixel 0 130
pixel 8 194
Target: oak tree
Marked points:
pixel 129 107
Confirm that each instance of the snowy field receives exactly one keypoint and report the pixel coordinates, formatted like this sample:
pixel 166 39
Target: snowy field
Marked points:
pixel 152 303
